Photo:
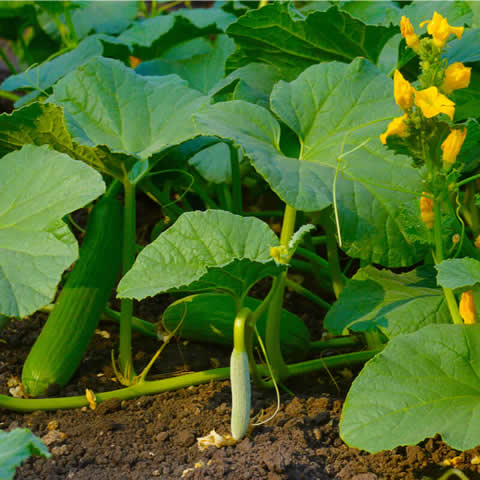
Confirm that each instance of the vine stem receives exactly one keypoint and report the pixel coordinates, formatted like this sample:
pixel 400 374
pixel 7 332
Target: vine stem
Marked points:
pixel 174 383
pixel 338 279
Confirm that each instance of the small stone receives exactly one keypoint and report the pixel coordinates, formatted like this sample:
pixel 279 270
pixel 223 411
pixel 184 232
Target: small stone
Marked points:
pixel 184 439
pixel 58 451
pixel 53 436
pixel 365 476
pixel 52 425
pixel 162 436
pixel 156 473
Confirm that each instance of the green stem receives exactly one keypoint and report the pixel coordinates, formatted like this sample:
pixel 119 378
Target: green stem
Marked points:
pixel 128 258
pixel 340 342
pixel 7 61
pixel 338 279
pixel 161 198
pixel 373 339
pixel 70 25
pixel 296 287
pixel 319 240
pixel 141 326
pixel 437 231
pixel 199 190
pixel 236 181
pixel 9 96
pixel 174 383
pixel 26 53
pixel 239 327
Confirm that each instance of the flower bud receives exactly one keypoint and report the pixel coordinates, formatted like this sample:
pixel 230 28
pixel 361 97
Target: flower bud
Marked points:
pixel 402 91
pixel 477 242
pixel 408 33
pixel 455 238
pixel 451 146
pixel 457 76
pixel 396 127
pixel 467 308
pixel 426 209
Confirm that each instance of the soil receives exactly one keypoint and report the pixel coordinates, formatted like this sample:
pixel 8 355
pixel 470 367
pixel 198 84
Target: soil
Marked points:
pixel 154 437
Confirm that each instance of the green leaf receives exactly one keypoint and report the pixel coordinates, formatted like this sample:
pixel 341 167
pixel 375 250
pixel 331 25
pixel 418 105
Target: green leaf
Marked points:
pixel 376 13
pixel 42 124
pixel 15 447
pixel 132 115
pixel 458 273
pixel 213 250
pixel 374 186
pixel 465 49
pixel 201 71
pixel 209 318
pixel 457 13
pixel 152 37
pixel 467 100
pixel 388 59
pixel 38 186
pixel 45 75
pixel 422 384
pixel 274 36
pixel 213 163
pixel 396 304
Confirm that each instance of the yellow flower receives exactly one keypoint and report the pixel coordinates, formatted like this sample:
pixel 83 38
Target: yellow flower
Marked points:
pixel 457 76
pixel 452 145
pixel 477 242
pixel 395 127
pixel 432 102
pixel 279 253
pixel 440 30
pixel 426 209
pixel 134 61
pixel 408 33
pixel 402 91
pixel 467 308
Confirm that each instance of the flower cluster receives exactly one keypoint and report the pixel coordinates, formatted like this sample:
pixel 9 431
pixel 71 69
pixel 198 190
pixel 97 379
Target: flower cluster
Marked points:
pixel 422 106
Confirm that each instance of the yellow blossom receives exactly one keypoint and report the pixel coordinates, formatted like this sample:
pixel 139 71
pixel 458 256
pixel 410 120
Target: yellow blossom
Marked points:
pixel 426 209
pixel 452 145
pixel 395 127
pixel 440 30
pixel 432 102
pixel 408 33
pixel 402 91
pixel 477 242
pixel 467 308
pixel 457 76
pixel 134 61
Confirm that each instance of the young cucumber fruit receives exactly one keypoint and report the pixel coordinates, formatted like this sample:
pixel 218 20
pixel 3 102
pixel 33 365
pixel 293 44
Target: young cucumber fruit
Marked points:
pixel 241 394
pixel 65 336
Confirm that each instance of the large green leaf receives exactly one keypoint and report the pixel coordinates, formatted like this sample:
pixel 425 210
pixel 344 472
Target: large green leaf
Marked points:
pixel 422 384
pixel 457 13
pixel 45 75
pixel 466 49
pixel 202 71
pixel 212 250
pixel 458 272
pixel 152 37
pixel 380 12
pixel 38 186
pixel 213 163
pixel 15 447
pixel 334 109
pixel 396 304
pixel 44 124
pixel 276 36
pixel 209 317
pixel 132 115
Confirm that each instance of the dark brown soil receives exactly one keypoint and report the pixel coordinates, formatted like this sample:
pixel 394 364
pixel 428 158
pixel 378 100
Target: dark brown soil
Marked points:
pixel 155 437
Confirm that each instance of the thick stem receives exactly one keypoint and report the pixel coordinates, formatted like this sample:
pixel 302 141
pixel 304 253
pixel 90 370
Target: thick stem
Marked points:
pixel 9 96
pixel 340 342
pixel 296 287
pixel 128 258
pixel 236 181
pixel 174 383
pixel 7 61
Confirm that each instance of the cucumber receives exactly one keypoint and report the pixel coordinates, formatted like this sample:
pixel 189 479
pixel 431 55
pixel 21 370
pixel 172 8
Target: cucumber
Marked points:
pixel 64 339
pixel 208 317
pixel 241 394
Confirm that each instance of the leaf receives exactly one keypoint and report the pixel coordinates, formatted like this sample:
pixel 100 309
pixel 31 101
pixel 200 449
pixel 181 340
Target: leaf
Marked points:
pixel 422 384
pixel 378 13
pixel 38 186
pixel 201 71
pixel 274 36
pixel 465 49
pixel 209 318
pixel 457 13
pixel 458 273
pixel 15 447
pixel 45 75
pixel 396 304
pixel 467 100
pixel 213 163
pixel 152 37
pixel 388 59
pixel 132 115
pixel 213 250
pixel 298 236
pixel 41 124
pixel 374 187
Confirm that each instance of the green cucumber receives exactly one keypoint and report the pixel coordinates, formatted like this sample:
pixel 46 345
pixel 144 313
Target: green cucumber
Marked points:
pixel 65 336
pixel 208 317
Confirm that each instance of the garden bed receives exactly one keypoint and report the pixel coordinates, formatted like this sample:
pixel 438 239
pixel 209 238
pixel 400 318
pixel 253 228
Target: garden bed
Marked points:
pixel 155 436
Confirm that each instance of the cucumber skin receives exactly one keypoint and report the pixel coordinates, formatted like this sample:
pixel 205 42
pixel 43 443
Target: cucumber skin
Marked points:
pixel 64 339
pixel 241 394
